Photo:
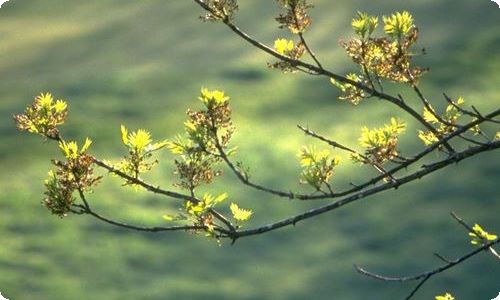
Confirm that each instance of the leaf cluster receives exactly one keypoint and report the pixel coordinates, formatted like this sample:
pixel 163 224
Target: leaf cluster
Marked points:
pixel 207 130
pixel 317 167
pixel 445 123
pixel 76 173
pixel 290 49
pixel 385 57
pixel 380 143
pixel 140 147
pixel 43 116
pixel 480 236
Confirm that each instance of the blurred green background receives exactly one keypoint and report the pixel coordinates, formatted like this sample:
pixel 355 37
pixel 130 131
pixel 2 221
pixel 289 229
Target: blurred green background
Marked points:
pixel 142 63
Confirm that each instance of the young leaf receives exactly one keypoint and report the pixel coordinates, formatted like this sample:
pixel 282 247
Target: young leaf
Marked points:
pixel 240 214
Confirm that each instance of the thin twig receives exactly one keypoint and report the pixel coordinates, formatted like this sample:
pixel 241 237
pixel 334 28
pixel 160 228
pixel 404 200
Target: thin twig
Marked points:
pixel 87 210
pixel 301 36
pixel 423 277
pixel 419 285
pixel 313 56
pixel 147 186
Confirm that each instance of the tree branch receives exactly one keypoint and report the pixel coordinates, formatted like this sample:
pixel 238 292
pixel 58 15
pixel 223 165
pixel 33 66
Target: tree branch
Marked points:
pixel 398 102
pixel 86 209
pixel 459 156
pixel 423 277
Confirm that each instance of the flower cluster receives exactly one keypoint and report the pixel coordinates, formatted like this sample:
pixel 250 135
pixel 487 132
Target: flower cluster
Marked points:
pixel 380 143
pixel 140 148
pixel 220 10
pixel 207 132
pixel 43 116
pixel 296 17
pixel 480 236
pixel 76 173
pixel 317 167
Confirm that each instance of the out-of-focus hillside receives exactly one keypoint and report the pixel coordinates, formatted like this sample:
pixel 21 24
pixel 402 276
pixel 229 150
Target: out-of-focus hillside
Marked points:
pixel 142 63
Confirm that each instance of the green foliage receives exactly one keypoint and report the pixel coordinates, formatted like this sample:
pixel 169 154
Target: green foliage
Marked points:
pixel 76 173
pixel 317 167
pixel 481 236
pixel 207 135
pixel 398 24
pixel 70 149
pixel 445 123
pixel 283 46
pixel 381 143
pixel 140 148
pixel 290 49
pixel 350 92
pixel 387 57
pixel 239 214
pixel 364 25
pixel 446 296
pixel 43 116
pixel 206 131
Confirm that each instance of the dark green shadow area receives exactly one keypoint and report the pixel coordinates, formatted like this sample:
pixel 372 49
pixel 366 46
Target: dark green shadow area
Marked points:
pixel 142 63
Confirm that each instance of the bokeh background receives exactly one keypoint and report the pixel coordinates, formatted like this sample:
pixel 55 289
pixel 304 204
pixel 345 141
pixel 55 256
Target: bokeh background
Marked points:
pixel 142 63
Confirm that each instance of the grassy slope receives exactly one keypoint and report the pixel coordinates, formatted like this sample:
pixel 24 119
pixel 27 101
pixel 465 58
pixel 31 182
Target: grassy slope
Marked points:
pixel 142 63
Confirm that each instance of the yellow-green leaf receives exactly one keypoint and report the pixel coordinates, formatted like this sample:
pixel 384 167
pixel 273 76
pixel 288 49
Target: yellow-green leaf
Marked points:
pixel 220 198
pixel 446 296
pixel 86 145
pixel 240 214
pixel 283 46
pixel 480 236
pixel 124 132
pixel 398 24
